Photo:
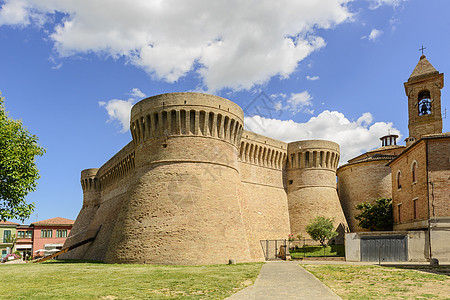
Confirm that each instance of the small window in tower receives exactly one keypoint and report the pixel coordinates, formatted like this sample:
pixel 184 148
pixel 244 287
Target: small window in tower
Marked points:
pixel 291 181
pixel 399 183
pixel 424 101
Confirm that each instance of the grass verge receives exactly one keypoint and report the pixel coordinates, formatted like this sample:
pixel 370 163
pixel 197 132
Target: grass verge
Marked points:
pixel 381 282
pixel 316 251
pixel 87 280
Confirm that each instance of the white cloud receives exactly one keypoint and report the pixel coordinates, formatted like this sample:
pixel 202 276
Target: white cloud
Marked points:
pixel 137 93
pixel 374 34
pixel 297 102
pixel 229 43
pixel 312 78
pixel 15 13
pixel 119 110
pixel 57 67
pixel 353 137
pixel 294 103
pixel 374 4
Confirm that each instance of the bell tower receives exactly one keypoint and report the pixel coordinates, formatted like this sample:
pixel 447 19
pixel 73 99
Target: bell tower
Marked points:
pixel 423 89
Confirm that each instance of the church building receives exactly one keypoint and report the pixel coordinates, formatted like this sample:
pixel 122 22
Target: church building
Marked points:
pixel 416 177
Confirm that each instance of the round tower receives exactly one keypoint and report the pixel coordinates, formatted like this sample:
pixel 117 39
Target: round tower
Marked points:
pixel 91 187
pixel 366 178
pixel 311 185
pixel 183 206
pixel 91 201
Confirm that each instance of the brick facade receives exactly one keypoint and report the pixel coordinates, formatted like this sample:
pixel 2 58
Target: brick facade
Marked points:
pixel 429 195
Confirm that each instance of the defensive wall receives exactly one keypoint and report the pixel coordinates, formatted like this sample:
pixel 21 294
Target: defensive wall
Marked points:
pixel 193 187
pixel 262 191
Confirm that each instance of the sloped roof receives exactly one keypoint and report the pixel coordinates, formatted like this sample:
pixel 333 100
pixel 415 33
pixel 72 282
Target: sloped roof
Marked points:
pixel 55 221
pixel 422 68
pixel 384 150
pixel 8 223
pixel 376 157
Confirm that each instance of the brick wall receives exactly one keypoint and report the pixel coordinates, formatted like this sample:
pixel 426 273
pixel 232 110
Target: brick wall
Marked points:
pixel 439 175
pixel 362 182
pixel 432 186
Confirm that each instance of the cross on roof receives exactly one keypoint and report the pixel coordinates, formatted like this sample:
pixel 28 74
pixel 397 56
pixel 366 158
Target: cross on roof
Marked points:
pixel 421 49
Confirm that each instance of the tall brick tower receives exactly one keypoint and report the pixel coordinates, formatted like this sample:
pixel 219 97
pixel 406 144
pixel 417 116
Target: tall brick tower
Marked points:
pixel 423 89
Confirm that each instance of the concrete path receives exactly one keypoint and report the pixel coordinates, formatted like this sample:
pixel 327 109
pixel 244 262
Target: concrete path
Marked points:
pixel 285 280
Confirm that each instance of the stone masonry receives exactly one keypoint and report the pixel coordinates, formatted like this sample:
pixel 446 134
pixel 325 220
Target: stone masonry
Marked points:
pixel 193 187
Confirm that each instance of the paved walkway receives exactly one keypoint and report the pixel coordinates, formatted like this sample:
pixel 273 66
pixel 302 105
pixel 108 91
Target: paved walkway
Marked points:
pixel 285 280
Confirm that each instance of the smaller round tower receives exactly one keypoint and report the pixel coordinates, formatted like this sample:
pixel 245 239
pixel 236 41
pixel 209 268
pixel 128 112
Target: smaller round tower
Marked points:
pixel 311 185
pixel 91 202
pixel 366 178
pixel 91 187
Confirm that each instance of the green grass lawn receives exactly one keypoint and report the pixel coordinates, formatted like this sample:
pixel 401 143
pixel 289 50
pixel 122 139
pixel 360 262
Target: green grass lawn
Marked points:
pixel 69 280
pixel 378 282
pixel 315 251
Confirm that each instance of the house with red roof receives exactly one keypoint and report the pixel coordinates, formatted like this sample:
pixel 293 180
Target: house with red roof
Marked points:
pixel 7 230
pixel 24 242
pixel 49 235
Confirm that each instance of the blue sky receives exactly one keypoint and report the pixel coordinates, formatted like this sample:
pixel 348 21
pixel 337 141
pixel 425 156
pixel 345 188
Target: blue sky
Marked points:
pixel 331 69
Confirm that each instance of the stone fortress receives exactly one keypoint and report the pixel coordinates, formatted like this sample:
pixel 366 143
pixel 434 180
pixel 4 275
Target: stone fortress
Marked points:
pixel 194 187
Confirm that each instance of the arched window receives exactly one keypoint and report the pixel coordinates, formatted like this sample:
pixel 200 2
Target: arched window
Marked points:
pixel 399 183
pixel 424 103
pixel 414 171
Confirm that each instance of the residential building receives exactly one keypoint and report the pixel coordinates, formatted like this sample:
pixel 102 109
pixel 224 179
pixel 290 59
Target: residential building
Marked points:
pixel 7 230
pixel 49 235
pixel 24 242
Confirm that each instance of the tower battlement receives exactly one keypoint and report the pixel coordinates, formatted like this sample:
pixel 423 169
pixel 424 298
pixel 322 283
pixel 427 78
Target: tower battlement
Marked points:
pixel 186 114
pixel 89 180
pixel 91 186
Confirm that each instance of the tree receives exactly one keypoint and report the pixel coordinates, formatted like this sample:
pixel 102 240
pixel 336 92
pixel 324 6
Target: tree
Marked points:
pixel 321 229
pixel 12 239
pixel 18 171
pixel 376 217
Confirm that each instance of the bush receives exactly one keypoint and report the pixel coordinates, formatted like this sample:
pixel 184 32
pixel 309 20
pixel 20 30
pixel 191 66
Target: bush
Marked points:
pixel 7 257
pixel 376 217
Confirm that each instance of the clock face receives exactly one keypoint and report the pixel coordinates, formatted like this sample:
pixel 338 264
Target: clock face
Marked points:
pixel 424 107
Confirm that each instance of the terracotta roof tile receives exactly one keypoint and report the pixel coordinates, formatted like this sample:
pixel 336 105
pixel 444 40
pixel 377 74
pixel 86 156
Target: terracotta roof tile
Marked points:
pixel 8 223
pixel 55 221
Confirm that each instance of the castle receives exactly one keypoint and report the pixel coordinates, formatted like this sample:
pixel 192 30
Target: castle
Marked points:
pixel 194 187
